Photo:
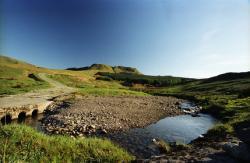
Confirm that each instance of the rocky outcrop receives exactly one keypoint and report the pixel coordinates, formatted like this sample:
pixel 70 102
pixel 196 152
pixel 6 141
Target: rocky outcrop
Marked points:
pixel 237 149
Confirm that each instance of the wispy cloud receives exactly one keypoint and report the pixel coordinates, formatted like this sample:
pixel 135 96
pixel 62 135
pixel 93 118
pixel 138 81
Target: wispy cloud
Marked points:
pixel 209 35
pixel 221 60
pixel 211 56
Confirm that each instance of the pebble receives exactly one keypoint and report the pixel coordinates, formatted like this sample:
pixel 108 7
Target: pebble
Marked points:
pixel 103 131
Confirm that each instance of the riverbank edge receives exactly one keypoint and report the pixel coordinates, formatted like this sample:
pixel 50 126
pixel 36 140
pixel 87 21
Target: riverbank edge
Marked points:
pixel 220 137
pixel 23 143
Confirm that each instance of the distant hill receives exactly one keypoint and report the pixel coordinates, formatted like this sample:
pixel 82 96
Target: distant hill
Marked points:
pixel 108 68
pixel 228 76
pixel 93 67
pixel 163 81
pixel 130 79
pixel 19 76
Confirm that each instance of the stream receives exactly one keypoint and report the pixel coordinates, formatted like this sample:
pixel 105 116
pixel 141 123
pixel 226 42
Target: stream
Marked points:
pixel 138 141
pixel 181 129
pixel 32 121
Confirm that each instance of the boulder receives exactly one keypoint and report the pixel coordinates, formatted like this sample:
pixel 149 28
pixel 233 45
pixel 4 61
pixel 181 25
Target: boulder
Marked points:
pixel 237 149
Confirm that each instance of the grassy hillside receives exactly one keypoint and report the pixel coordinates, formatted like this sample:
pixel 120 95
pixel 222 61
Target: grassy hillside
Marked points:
pixel 129 79
pixel 24 144
pixel 95 87
pixel 17 76
pixel 99 67
pixel 122 69
pixel 228 77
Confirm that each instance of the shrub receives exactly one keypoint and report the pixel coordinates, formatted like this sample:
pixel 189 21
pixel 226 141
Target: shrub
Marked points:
pixel 162 145
pixel 214 109
pixel 105 78
pixel 157 81
pixel 35 77
pixel 244 93
pixel 220 131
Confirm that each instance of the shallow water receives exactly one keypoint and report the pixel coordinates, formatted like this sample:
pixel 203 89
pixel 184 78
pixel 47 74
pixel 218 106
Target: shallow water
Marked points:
pixel 32 121
pixel 187 104
pixel 183 129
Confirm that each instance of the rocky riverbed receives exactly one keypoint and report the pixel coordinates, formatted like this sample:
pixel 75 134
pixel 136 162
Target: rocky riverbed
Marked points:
pixel 206 149
pixel 100 115
pixel 106 116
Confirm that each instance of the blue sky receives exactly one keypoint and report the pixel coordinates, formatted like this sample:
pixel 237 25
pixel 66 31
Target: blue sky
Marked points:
pixel 191 38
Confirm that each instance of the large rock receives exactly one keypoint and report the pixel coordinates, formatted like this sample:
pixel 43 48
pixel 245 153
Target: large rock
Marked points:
pixel 238 150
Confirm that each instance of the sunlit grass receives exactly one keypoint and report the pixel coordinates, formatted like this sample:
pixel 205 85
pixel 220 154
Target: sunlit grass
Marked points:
pixel 101 88
pixel 110 92
pixel 22 143
pixel 15 80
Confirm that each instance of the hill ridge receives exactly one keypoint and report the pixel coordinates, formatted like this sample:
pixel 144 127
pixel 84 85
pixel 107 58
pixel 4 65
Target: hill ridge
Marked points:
pixel 108 68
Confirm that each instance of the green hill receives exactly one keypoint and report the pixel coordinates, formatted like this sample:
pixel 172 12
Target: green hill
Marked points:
pixel 129 79
pixel 122 69
pixel 18 76
pixel 107 68
pixel 101 67
pixel 228 77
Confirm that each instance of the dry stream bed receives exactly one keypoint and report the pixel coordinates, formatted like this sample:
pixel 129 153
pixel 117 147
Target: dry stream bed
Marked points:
pixel 108 114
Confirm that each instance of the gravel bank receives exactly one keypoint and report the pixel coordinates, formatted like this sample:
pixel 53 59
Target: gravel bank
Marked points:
pixel 91 115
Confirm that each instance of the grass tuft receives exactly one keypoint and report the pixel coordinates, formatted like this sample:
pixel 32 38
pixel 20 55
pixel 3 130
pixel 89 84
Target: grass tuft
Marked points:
pixel 22 143
pixel 220 130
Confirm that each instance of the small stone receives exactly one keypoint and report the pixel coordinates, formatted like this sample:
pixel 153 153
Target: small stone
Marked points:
pixel 92 127
pixel 103 131
pixel 201 136
pixel 238 150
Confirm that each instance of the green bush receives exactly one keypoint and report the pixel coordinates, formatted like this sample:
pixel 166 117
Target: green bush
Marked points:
pixel 244 93
pixel 158 81
pixel 220 130
pixel 214 109
pixel 163 146
pixel 105 78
